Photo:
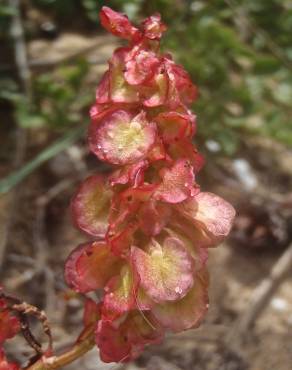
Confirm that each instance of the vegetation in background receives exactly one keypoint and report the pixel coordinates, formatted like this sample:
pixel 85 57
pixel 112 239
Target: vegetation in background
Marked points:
pixel 238 52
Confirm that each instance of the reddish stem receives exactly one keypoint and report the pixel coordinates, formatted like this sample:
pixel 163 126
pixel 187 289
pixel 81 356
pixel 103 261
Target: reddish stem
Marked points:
pixel 83 345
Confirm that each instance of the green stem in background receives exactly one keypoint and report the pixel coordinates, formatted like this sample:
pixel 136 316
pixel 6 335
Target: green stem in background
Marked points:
pixel 58 146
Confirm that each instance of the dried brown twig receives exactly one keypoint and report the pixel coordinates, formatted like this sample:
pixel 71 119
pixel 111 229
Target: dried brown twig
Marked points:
pixel 79 349
pixel 23 311
pixel 44 360
pixel 260 298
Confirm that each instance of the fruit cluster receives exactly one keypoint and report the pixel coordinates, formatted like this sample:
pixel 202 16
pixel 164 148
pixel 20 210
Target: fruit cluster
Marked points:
pixel 151 225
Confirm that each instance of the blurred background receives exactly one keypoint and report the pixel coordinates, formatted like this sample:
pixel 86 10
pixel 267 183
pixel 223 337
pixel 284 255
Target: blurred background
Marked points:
pixel 239 53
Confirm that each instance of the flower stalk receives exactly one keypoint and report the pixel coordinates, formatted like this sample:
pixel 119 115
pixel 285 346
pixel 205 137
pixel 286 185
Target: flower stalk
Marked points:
pixel 79 349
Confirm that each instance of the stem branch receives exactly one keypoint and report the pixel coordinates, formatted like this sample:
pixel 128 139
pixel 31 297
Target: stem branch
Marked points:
pixel 83 345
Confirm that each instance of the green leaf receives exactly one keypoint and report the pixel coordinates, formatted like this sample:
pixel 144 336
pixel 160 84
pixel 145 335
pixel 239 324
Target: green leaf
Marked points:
pixel 58 146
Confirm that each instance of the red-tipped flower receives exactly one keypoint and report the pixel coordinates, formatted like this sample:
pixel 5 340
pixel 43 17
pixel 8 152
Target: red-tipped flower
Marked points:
pixel 151 224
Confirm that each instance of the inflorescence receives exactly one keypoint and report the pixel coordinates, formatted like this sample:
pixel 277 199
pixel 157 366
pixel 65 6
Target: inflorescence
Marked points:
pixel 151 225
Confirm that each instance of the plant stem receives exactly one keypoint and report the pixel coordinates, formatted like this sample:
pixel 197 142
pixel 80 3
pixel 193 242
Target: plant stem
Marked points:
pixel 83 345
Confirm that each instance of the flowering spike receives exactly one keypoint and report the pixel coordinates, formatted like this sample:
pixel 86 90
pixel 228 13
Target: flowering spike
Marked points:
pixel 151 222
